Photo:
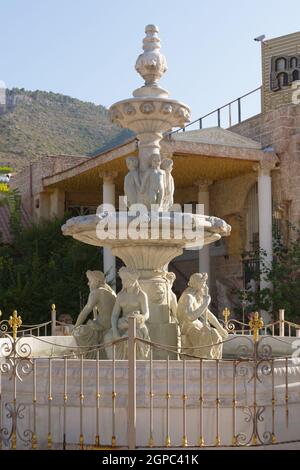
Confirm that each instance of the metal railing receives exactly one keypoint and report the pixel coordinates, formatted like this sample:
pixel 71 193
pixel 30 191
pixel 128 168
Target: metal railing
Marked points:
pixel 52 327
pixel 72 402
pixel 280 327
pixel 234 114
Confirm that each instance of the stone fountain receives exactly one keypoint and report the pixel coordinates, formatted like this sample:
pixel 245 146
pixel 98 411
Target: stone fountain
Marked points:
pixel 150 113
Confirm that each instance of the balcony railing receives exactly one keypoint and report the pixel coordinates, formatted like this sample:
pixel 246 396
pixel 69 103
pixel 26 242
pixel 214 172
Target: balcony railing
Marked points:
pixel 229 114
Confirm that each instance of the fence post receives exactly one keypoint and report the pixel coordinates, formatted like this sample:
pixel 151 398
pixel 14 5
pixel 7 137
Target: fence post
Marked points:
pixel 131 382
pixel 239 110
pixel 281 322
pixel 53 320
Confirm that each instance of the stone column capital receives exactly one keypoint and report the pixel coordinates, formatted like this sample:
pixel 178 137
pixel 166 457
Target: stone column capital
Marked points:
pixel 203 185
pixel 108 176
pixel 266 165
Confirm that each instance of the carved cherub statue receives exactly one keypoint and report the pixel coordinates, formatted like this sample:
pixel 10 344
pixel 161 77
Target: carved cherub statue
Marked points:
pixel 153 183
pixel 101 301
pixel 132 186
pixel 167 166
pixel 201 331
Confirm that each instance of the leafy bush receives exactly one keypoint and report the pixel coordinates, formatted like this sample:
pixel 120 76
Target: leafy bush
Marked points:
pixel 283 275
pixel 42 267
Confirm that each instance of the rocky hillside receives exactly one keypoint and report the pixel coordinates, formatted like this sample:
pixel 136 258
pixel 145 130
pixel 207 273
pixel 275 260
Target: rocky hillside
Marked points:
pixel 33 124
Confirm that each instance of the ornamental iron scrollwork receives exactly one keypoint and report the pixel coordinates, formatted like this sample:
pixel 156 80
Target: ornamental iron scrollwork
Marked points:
pixel 15 363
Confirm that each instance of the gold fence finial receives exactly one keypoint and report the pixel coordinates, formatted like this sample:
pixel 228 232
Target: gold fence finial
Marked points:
pixel 53 307
pixel 255 324
pixel 15 321
pixel 226 314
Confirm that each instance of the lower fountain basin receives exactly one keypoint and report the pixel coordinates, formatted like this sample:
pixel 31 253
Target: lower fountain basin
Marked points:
pixel 172 229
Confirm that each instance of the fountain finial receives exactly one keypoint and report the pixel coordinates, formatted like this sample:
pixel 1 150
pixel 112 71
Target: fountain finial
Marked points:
pixel 151 64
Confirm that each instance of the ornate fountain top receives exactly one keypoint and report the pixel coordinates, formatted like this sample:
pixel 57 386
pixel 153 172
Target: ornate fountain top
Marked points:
pixel 150 113
pixel 151 64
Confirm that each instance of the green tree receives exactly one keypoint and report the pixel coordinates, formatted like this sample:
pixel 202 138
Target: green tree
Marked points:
pixel 284 276
pixel 42 267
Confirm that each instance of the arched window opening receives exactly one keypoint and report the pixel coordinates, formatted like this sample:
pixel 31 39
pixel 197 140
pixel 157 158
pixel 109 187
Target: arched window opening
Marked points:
pixel 293 62
pixel 280 64
pixel 282 79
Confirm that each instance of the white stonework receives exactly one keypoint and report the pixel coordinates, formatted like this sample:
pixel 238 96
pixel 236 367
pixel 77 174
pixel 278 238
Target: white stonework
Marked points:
pixel 200 330
pixel 244 402
pixel 108 197
pixel 149 114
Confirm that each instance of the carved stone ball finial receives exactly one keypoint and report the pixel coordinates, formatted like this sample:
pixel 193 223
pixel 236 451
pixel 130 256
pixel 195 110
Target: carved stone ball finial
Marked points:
pixel 151 65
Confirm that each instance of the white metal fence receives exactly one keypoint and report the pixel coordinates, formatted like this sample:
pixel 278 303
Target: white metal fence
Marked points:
pixel 73 402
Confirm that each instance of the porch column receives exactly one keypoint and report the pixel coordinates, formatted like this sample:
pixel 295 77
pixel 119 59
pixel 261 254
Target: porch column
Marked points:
pixel 109 261
pixel 44 206
pixel 264 186
pixel 203 198
pixel 57 203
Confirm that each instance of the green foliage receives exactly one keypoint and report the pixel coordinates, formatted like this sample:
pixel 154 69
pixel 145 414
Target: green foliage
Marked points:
pixel 284 276
pixel 13 199
pixel 43 267
pixel 39 122
pixel 5 169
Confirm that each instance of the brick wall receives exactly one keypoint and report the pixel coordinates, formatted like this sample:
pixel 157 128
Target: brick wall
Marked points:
pixel 29 181
pixel 280 129
pixel 288 45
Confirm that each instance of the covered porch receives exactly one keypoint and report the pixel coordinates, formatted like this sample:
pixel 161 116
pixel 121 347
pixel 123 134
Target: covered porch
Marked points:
pixel 229 174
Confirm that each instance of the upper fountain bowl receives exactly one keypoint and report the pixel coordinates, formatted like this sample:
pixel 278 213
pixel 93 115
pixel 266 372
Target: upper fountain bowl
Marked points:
pixel 150 114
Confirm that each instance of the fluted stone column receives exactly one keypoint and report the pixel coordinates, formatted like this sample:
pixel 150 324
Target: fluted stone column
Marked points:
pixel 203 198
pixel 109 260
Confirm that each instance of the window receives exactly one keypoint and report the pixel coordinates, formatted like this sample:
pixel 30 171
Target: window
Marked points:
pixel 293 62
pixel 295 75
pixel 280 64
pixel 282 79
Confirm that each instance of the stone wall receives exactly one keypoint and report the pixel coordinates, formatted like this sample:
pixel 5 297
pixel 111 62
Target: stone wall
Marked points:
pixel 280 129
pixel 29 182
pixel 284 46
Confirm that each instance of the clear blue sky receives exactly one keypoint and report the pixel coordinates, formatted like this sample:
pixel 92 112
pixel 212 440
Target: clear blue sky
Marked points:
pixel 87 48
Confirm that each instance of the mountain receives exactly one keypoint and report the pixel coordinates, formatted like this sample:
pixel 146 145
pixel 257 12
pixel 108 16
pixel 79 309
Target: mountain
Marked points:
pixel 37 123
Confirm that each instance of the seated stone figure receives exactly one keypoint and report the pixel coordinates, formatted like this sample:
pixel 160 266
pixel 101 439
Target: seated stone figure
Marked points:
pixel 130 301
pixel 200 330
pixel 101 301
